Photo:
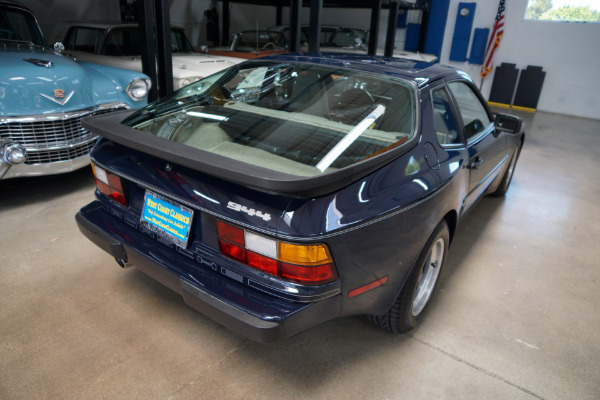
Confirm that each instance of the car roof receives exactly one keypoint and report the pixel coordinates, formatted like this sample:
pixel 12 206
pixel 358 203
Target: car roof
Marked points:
pixel 420 72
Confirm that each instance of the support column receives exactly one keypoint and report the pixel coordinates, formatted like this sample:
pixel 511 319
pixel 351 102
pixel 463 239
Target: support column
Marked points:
pixel 390 36
pixel 163 43
pixel 314 38
pixel 295 6
pixel 374 27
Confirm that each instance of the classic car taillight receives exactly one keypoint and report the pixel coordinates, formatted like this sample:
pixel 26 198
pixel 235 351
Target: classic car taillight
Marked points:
pixel 306 264
pixel 109 184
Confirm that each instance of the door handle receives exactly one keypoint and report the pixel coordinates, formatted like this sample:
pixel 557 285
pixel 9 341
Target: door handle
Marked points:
pixel 475 163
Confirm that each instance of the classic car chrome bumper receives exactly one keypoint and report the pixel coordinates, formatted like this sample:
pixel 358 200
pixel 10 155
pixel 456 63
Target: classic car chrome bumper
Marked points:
pixel 24 170
pixel 54 143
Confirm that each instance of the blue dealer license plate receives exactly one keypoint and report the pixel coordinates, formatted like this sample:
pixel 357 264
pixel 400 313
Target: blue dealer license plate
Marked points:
pixel 166 218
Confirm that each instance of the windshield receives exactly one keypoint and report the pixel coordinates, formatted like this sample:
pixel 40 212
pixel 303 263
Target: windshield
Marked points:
pixel 299 119
pixel 259 40
pixel 127 42
pixel 348 37
pixel 19 26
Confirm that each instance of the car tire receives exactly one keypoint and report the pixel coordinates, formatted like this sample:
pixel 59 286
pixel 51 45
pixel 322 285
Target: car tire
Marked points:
pixel 408 309
pixel 508 175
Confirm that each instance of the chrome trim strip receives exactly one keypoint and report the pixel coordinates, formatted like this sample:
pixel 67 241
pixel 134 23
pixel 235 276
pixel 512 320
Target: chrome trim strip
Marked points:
pixel 63 146
pixel 473 140
pixel 58 167
pixel 65 115
pixel 60 102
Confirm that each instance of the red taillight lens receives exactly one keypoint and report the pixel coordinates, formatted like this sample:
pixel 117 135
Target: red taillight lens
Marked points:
pixel 308 274
pixel 263 263
pixel 230 233
pixel 306 264
pixel 233 251
pixel 109 184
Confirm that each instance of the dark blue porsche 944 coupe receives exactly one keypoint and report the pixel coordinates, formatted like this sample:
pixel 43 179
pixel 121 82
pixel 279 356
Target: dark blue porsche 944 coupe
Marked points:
pixel 287 191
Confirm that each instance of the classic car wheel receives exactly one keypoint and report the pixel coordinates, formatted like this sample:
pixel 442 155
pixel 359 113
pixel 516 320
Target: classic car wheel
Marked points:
pixel 408 308
pixel 507 178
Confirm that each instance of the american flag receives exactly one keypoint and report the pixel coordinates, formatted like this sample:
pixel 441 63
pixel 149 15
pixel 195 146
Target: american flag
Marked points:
pixel 494 40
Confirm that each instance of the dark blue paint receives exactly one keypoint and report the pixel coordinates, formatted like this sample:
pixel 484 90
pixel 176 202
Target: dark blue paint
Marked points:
pixel 374 227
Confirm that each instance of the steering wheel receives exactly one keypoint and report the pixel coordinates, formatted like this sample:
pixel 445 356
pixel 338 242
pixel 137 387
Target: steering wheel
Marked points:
pixel 269 44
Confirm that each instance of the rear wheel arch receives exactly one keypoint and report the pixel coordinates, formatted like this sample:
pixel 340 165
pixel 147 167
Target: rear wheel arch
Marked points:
pixel 451 219
pixel 406 311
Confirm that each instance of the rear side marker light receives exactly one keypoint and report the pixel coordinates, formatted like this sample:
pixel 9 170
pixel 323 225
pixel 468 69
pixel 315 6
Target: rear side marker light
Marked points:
pixel 109 184
pixel 367 287
pixel 306 264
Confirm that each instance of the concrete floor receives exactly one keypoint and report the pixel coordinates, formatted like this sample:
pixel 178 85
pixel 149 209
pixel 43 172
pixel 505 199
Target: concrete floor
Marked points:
pixel 516 317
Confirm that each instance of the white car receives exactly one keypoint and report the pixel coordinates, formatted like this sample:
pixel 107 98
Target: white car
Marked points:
pixel 118 45
pixel 346 40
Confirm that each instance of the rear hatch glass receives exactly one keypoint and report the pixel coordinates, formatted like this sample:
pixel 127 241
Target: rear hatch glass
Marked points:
pixel 299 119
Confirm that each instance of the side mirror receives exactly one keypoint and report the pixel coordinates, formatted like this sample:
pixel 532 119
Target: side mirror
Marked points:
pixel 508 123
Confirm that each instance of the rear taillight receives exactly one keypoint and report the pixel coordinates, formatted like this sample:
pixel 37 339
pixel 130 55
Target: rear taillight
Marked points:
pixel 109 184
pixel 306 264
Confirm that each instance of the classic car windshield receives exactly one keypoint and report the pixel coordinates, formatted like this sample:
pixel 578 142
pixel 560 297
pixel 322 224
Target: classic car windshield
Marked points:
pixel 127 42
pixel 299 119
pixel 19 26
pixel 347 37
pixel 258 40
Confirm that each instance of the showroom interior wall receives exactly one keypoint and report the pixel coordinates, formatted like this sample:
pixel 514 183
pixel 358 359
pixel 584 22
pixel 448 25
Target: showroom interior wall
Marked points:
pixel 568 52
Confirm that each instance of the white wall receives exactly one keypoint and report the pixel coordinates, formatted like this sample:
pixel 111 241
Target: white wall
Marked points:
pixel 568 51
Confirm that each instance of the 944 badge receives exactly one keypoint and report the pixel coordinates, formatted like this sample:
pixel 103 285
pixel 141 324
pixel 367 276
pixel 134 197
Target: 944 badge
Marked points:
pixel 250 211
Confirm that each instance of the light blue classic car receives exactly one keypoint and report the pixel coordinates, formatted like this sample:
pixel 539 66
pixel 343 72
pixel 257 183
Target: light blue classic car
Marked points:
pixel 44 96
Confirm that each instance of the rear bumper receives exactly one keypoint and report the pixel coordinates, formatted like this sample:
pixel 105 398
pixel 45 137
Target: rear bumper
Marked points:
pixel 245 310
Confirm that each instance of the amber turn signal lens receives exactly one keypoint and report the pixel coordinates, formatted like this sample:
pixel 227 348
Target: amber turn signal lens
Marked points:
pixel 304 254
pixel 307 264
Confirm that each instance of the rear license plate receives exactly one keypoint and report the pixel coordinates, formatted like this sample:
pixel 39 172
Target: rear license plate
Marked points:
pixel 170 220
